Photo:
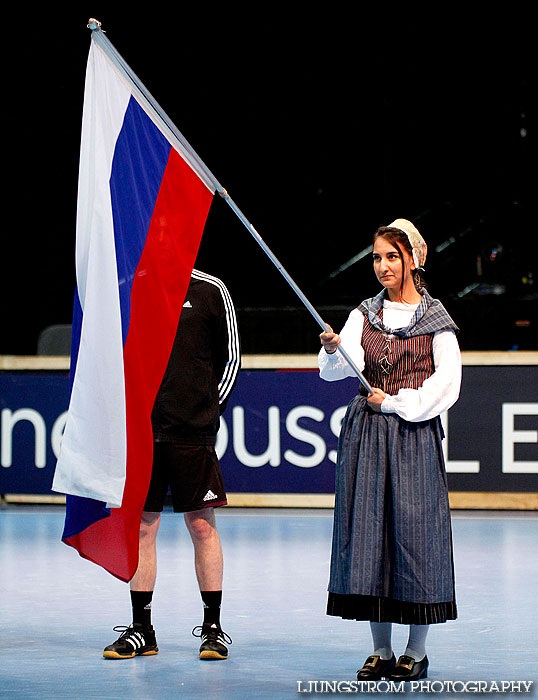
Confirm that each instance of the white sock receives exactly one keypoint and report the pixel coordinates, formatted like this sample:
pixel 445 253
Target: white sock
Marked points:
pixel 382 634
pixel 416 644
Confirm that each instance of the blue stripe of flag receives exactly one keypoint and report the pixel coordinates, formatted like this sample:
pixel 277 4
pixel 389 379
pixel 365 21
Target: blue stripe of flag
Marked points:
pixel 138 167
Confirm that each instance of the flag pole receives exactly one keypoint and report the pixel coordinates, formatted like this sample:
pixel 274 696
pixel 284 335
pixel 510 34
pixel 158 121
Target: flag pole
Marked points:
pixel 163 122
pixel 291 283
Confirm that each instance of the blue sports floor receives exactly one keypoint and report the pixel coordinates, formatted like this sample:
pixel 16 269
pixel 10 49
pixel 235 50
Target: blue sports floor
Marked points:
pixel 58 610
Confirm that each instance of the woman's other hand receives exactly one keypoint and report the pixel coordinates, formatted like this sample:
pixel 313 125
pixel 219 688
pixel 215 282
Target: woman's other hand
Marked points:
pixel 376 399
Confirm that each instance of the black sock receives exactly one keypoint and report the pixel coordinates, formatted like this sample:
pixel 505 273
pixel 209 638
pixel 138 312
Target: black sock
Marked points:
pixel 212 601
pixel 141 602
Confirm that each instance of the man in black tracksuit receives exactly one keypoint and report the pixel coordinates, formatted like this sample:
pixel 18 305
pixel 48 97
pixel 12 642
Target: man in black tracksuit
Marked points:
pixel 201 373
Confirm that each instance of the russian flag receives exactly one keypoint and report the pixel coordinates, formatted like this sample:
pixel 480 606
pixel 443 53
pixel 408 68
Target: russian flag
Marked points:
pixel 140 216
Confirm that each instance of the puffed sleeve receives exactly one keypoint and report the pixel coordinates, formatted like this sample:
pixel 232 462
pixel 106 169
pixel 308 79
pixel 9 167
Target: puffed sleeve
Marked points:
pixel 334 367
pixel 439 392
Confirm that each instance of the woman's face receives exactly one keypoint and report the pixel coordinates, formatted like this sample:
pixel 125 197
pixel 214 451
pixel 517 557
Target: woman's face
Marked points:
pixel 388 266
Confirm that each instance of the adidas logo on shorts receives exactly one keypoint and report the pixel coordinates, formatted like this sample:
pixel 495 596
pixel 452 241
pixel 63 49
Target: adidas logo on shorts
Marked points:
pixel 210 496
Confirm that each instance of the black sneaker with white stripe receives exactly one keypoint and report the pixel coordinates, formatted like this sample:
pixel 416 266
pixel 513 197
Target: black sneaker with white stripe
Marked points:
pixel 214 641
pixel 133 641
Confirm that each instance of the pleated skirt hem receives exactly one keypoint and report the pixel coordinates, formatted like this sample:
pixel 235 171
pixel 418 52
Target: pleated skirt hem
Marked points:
pixel 377 609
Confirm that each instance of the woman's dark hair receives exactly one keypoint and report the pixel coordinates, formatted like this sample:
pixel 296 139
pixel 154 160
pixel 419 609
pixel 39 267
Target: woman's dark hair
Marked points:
pixel 399 240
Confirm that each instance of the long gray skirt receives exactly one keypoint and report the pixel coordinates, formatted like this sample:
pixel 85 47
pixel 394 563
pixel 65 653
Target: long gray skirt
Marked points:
pixel 392 543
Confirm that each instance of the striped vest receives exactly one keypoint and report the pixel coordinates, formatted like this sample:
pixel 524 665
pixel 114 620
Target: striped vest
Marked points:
pixel 394 363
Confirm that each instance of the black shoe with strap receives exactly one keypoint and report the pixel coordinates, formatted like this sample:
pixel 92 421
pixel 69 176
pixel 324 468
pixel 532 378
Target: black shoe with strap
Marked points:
pixel 375 668
pixel 134 640
pixel 214 641
pixel 408 669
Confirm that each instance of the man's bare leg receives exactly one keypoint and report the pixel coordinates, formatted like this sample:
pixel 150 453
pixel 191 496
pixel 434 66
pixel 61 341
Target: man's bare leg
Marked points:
pixel 143 582
pixel 208 563
pixel 139 638
pixel 146 574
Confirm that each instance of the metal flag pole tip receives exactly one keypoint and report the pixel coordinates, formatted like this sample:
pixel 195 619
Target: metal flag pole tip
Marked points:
pixel 93 24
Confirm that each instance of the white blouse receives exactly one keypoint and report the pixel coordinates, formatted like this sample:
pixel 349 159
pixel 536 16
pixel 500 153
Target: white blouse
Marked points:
pixel 436 395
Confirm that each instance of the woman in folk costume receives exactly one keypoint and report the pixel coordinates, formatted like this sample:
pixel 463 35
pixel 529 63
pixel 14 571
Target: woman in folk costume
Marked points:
pixel 392 545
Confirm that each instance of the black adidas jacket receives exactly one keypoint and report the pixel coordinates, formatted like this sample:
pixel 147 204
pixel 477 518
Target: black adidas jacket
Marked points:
pixel 203 366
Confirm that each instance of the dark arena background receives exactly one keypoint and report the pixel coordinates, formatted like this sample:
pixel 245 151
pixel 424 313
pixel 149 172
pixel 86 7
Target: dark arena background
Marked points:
pixel 322 125
pixel 323 122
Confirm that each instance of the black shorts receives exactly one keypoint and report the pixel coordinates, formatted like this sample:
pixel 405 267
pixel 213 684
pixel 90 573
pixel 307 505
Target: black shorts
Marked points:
pixel 193 474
